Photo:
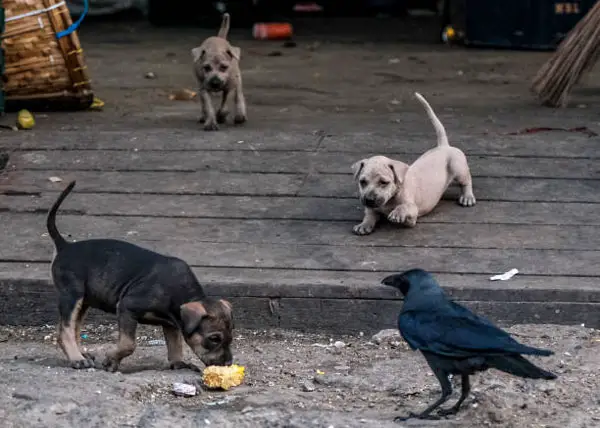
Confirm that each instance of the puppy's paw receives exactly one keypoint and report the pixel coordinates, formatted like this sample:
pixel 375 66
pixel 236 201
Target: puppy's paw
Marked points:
pixel 397 216
pixel 222 116
pixel 467 200
pixel 180 365
pixel 110 364
pixel 239 119
pixel 86 363
pixel 88 356
pixel 363 229
pixel 211 125
pixel 403 217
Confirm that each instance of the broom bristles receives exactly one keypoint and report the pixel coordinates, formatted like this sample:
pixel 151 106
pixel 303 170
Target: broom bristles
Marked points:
pixel 575 55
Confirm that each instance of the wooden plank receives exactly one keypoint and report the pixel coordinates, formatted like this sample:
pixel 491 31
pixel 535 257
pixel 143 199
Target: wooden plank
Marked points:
pixel 24 233
pixel 363 258
pixel 165 182
pixel 281 162
pixel 165 139
pixel 486 189
pixel 296 283
pixel 370 316
pixel 544 144
pixel 34 303
pixel 327 186
pixel 299 208
pixel 253 140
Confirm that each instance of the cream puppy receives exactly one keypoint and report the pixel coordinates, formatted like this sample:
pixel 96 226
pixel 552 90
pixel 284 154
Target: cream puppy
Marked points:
pixel 405 192
pixel 217 70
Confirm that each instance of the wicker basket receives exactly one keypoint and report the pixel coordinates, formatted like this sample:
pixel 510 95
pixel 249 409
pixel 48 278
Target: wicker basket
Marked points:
pixel 38 64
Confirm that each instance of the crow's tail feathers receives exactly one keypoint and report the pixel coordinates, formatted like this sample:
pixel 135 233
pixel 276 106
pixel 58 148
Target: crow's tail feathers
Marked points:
pixel 518 366
pixel 530 350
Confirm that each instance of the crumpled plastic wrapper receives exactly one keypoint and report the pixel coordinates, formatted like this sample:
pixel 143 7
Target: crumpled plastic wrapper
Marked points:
pixel 505 276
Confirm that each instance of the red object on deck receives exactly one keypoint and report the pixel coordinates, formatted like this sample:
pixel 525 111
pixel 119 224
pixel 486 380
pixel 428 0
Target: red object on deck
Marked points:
pixel 272 31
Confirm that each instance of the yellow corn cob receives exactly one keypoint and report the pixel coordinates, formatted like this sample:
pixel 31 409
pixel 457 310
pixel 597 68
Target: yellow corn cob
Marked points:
pixel 223 377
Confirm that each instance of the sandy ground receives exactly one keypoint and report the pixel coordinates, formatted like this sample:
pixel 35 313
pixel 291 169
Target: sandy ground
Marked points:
pixel 293 380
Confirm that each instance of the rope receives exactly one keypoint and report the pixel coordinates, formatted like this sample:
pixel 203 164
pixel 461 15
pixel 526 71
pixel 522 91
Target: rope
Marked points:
pixel 36 12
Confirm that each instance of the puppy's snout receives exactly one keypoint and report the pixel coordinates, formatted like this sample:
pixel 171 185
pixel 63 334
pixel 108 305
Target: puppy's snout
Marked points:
pixel 215 83
pixel 222 357
pixel 370 202
pixel 227 357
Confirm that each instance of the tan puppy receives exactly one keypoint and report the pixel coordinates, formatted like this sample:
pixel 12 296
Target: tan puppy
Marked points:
pixel 216 65
pixel 402 192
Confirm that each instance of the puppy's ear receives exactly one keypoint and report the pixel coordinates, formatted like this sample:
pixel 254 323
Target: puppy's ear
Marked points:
pixel 357 168
pixel 191 316
pixel 234 52
pixel 398 170
pixel 198 53
pixel 226 307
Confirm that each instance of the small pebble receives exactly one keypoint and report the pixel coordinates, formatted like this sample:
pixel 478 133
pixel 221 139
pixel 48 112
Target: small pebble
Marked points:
pixel 386 335
pixel 308 386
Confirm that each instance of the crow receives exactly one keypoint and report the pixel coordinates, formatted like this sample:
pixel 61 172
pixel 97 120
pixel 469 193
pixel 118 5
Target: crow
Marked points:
pixel 454 340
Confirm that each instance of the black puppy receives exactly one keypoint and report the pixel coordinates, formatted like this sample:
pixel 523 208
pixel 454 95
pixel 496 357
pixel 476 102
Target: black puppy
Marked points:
pixel 140 286
pixel 454 340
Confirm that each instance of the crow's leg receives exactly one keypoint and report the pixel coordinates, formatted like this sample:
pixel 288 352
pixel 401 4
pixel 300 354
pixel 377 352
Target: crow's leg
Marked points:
pixel 465 389
pixel 442 377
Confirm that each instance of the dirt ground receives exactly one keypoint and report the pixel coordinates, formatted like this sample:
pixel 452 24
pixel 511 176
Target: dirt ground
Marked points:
pixel 293 380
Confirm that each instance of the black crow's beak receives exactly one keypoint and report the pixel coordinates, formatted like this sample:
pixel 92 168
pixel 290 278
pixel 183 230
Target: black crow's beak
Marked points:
pixel 392 280
pixel 398 281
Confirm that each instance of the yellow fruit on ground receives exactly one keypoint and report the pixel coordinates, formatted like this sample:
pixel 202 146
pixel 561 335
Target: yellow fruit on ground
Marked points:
pixel 25 120
pixel 97 104
pixel 223 377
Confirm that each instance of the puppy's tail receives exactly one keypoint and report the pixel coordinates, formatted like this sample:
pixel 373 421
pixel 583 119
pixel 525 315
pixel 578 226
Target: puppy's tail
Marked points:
pixel 440 131
pixel 59 241
pixel 224 30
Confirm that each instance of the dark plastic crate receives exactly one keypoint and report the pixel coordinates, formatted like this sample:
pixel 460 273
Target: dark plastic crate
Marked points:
pixel 524 24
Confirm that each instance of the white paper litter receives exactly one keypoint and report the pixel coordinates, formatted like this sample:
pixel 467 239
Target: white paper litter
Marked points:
pixel 505 276
pixel 184 390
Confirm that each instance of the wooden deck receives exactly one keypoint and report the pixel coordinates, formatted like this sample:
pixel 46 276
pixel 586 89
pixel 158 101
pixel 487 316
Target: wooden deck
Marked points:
pixel 264 212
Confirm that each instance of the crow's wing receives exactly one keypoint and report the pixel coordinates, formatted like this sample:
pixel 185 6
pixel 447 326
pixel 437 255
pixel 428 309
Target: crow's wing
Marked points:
pixel 454 331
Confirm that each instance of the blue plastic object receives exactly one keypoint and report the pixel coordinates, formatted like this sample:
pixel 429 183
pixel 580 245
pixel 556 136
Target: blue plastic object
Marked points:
pixel 74 26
